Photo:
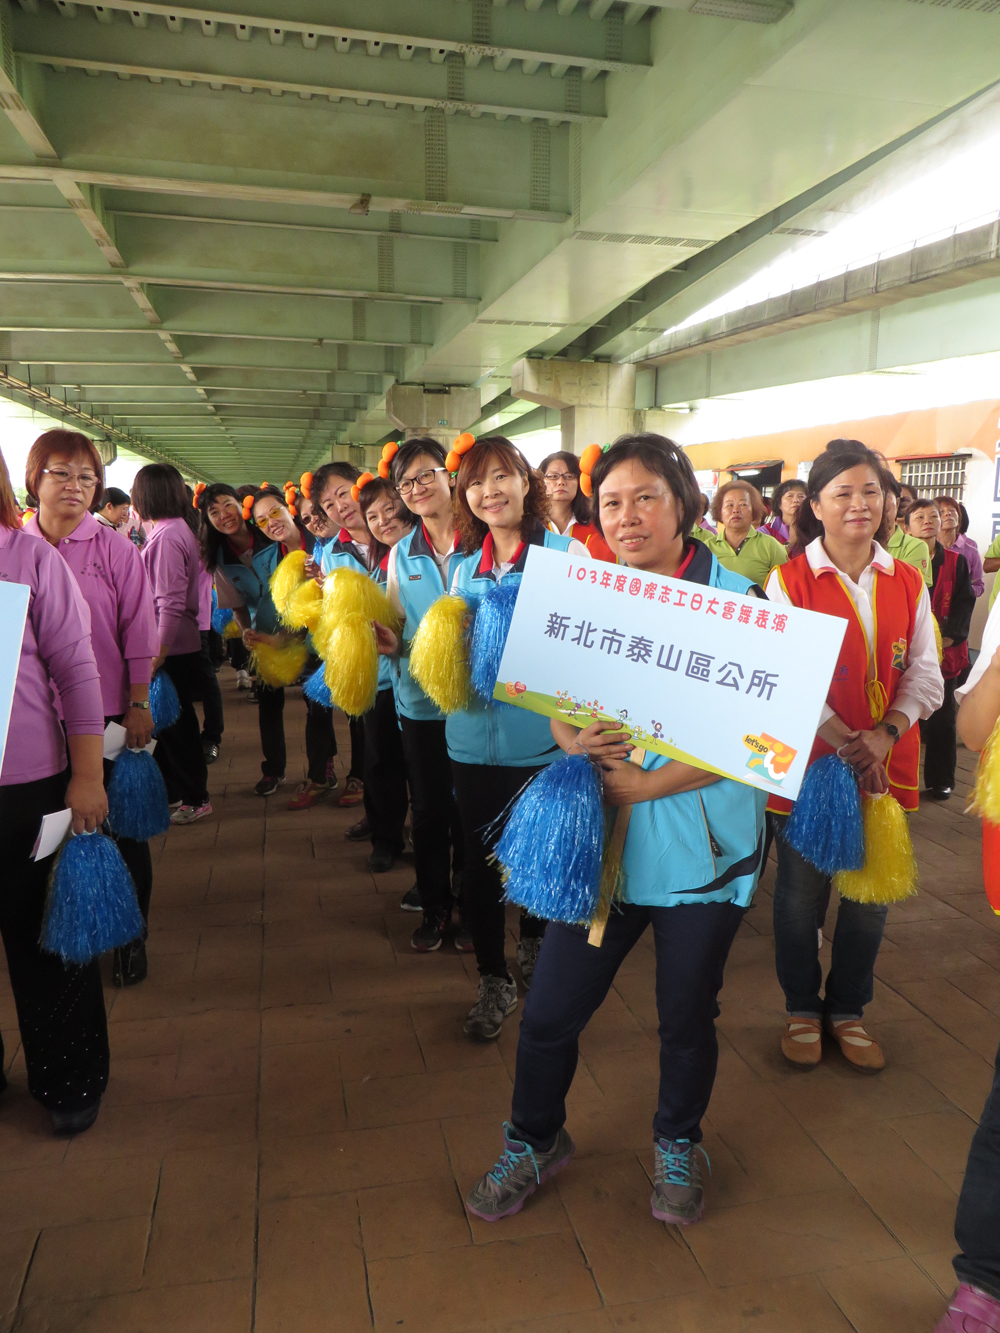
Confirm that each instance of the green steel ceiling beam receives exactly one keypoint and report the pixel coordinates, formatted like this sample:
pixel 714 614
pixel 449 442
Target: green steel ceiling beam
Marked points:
pixel 398 228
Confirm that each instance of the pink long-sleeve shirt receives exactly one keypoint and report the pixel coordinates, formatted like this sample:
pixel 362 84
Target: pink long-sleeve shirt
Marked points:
pixel 171 559
pixel 55 651
pixel 205 600
pixel 113 581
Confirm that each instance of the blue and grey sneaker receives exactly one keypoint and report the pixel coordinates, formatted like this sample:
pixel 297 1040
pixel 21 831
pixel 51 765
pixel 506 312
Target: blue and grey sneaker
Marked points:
pixel 519 1172
pixel 677 1195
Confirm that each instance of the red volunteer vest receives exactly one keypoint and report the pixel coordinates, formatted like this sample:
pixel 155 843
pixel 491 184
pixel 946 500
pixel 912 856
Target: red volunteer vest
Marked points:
pixel 956 658
pixel 865 682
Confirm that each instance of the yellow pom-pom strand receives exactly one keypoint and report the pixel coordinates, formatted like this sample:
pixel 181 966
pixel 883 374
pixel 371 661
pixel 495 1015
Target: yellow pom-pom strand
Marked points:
pixel 986 792
pixel 349 592
pixel 304 607
pixel 889 873
pixel 351 672
pixel 233 630
pixel 439 654
pixel 290 573
pixel 938 641
pixel 278 666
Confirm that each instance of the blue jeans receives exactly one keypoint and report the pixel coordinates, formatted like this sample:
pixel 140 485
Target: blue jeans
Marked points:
pixel 569 985
pixel 800 891
pixel 977 1224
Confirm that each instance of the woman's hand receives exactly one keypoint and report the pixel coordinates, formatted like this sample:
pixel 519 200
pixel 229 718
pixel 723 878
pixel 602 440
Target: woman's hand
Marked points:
pixel 156 663
pixel 625 783
pixel 386 642
pixel 88 800
pixel 138 724
pixel 864 749
pixel 604 742
pixel 875 780
pixel 311 570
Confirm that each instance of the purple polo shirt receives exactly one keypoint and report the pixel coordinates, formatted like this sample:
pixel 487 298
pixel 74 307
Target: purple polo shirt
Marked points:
pixel 174 568
pixel 55 651
pixel 111 576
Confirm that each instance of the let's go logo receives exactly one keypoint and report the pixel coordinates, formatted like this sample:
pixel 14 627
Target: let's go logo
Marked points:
pixel 772 758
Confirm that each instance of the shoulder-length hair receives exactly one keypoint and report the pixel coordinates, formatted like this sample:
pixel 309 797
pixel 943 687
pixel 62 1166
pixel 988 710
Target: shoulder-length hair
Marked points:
pixel 71 443
pixel 581 505
pixel 840 456
pixel 779 493
pixel 10 510
pixel 660 456
pixel 496 449
pixel 158 492
pixel 373 490
pixel 757 510
pixel 272 493
pixel 210 540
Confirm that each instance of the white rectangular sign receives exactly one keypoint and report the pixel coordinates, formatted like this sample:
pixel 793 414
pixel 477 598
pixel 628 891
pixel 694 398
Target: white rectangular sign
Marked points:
pixel 730 683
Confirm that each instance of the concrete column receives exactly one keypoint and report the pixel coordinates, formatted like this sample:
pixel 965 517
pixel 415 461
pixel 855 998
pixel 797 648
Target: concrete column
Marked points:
pixel 441 415
pixel 595 400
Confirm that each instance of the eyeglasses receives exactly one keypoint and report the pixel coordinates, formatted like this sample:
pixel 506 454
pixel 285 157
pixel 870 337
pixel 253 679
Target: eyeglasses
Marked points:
pixel 274 513
pixel 62 478
pixel 558 476
pixel 421 479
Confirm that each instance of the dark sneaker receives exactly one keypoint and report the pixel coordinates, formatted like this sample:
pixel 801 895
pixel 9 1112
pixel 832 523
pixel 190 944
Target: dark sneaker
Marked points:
pixel 379 862
pixel 970 1311
pixel 359 832
pixel 268 785
pixel 130 966
pixel 677 1193
pixel 410 901
pixel 497 1000
pixel 463 940
pixel 519 1172
pixel 67 1123
pixel 428 935
pixel 527 957
pixel 210 750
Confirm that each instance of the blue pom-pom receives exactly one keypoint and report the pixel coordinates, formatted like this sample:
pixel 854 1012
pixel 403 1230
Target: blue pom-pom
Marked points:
pixel 489 635
pixel 92 905
pixel 553 843
pixel 221 617
pixel 137 797
pixel 825 825
pixel 317 689
pixel 163 702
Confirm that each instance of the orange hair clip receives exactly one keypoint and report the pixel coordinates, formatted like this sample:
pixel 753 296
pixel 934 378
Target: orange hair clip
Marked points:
pixel 389 452
pixel 199 488
pixel 247 508
pixel 588 460
pixel 461 445
pixel 305 485
pixel 359 486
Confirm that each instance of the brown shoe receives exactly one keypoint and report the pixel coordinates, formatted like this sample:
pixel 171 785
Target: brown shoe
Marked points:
pixel 354 792
pixel 802 1042
pixel 856 1045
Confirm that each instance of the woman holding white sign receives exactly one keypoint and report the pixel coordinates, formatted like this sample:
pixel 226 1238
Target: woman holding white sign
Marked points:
pixel 60 1007
pixel 690 858
pixel 887 677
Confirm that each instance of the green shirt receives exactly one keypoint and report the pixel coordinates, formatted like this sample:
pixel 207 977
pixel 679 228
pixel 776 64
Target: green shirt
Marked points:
pixel 759 553
pixel 912 551
pixel 994 554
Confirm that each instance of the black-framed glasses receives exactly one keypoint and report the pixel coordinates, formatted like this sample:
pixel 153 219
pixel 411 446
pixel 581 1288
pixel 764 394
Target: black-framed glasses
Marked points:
pixel 421 479
pixel 558 476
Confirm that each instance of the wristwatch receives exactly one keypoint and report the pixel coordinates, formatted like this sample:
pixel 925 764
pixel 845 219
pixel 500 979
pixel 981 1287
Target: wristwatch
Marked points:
pixel 892 730
pixel 139 703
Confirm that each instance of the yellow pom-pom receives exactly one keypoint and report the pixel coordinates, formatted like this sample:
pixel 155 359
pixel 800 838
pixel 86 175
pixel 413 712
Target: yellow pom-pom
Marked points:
pixel 986 793
pixel 291 572
pixel 889 873
pixel 938 641
pixel 304 607
pixel 233 630
pixel 279 666
pixel 439 654
pixel 351 671
pixel 348 592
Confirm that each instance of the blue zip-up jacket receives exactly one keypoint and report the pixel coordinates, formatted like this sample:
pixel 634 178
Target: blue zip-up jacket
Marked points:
pixel 415 576
pixel 500 733
pixel 700 846
pixel 252 581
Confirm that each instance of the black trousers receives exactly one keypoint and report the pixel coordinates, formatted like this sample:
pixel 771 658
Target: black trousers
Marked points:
pixel 941 742
pixel 385 776
pixel 60 1007
pixel 483 792
pixel 178 749
pixel 321 743
pixel 357 730
pixel 437 833
pixel 136 855
pixel 211 696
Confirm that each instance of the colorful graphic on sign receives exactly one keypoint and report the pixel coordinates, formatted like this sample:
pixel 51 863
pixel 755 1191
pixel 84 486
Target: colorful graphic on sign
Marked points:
pixel 771 757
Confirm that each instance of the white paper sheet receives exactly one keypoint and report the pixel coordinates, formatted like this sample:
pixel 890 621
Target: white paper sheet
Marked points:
pixel 51 834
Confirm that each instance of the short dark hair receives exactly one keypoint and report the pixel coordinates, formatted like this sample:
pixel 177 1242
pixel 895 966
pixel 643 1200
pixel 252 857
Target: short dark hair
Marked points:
pixel 963 526
pixel 209 539
pixel 471 530
pixel 581 505
pixel 370 492
pixel 940 500
pixel 158 492
pixel 757 510
pixel 74 444
pixel 404 456
pixel 780 491
pixel 921 504
pixel 325 474
pixel 892 483
pixel 113 496
pixel 911 491
pixel 661 456
pixel 840 456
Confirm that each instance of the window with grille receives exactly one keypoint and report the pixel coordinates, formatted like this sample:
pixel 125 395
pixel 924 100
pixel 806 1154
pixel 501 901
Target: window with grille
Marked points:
pixel 931 477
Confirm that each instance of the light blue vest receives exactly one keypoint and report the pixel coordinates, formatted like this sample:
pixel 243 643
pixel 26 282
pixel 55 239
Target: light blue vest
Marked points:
pixel 420 585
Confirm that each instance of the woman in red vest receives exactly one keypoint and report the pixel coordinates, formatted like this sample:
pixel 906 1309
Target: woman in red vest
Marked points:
pixel 569 508
pixel 885 680
pixel 953 601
